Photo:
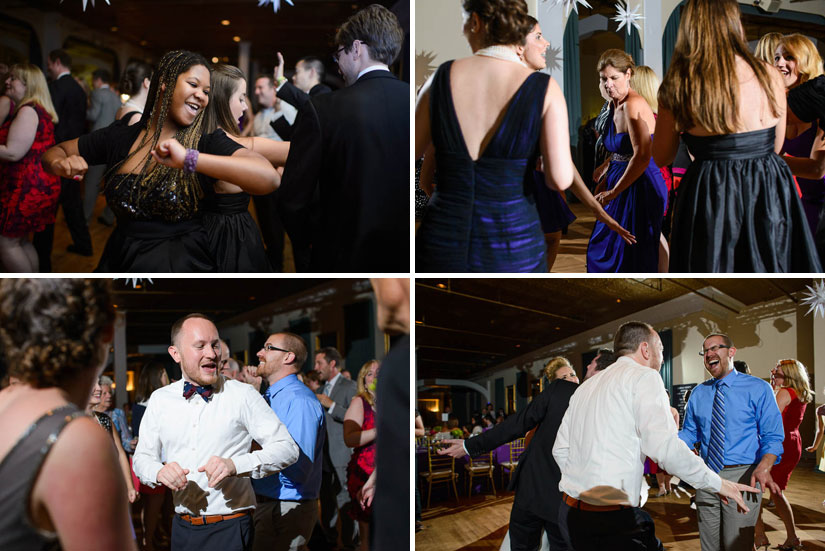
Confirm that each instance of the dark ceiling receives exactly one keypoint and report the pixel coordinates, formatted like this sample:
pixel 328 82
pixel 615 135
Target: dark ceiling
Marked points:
pixel 307 28
pixel 154 307
pixel 463 326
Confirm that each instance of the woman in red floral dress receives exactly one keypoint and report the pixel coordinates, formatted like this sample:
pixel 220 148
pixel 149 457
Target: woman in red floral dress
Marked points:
pixel 359 433
pixel 28 196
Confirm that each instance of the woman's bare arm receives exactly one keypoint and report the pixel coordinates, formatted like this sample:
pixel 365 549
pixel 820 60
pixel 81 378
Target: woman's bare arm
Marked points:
pixel 423 138
pixel 64 160
pixel 21 135
pixel 666 140
pixel 272 150
pixel 123 460
pixel 642 149
pixel 555 140
pixel 580 190
pixel 354 437
pixel 812 167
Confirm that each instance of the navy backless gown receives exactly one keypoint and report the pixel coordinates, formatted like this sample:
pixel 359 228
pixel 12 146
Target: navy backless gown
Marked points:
pixel 738 210
pixel 482 216
pixel 639 209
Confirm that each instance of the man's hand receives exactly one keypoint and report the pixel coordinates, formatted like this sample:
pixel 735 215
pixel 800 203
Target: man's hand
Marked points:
pixel 456 449
pixel 762 475
pixel 173 476
pixel 216 469
pixel 325 400
pixel 733 490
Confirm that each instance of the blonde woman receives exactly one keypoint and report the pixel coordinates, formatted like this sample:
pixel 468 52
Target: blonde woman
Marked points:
pixel 359 433
pixel 28 196
pixel 560 368
pixel 766 47
pixel 793 396
pixel 804 148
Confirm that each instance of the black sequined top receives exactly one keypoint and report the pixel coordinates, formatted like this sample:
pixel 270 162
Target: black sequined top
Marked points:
pixel 111 145
pixel 104 421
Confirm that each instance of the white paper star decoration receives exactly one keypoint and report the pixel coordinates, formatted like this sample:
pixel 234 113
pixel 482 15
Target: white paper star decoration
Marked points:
pixel 86 1
pixel 626 16
pixel 276 4
pixel 815 298
pixel 568 4
pixel 135 280
pixel 553 58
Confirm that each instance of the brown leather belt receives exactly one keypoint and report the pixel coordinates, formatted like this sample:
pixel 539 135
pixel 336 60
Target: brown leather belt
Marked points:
pixel 212 519
pixel 583 506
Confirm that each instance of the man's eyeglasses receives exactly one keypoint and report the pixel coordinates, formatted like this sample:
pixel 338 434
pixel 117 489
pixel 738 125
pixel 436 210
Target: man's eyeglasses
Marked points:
pixel 713 349
pixel 337 54
pixel 273 348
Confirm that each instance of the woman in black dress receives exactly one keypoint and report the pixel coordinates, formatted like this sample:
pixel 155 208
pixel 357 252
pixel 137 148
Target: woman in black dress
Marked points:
pixel 737 208
pixel 157 170
pixel 234 238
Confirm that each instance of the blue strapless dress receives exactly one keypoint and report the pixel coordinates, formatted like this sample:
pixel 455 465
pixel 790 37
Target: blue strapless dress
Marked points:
pixel 639 209
pixel 482 216
pixel 738 211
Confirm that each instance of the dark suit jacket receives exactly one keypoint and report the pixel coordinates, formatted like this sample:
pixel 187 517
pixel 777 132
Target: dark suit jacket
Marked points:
pixel 536 480
pixel 296 98
pixel 354 145
pixel 69 101
pixel 337 452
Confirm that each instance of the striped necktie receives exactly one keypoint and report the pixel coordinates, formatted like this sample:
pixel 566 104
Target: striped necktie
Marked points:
pixel 716 446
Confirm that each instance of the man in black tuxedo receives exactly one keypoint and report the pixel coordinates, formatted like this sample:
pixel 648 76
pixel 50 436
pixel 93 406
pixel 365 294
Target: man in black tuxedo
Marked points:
pixel 536 479
pixel 353 145
pixel 69 101
pixel 307 82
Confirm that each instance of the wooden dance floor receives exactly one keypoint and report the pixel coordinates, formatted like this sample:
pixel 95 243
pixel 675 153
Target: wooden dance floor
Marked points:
pixel 63 261
pixel 479 523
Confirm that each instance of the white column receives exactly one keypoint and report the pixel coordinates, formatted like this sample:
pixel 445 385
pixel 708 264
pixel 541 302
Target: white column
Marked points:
pixel 120 359
pixel 652 29
pixel 244 48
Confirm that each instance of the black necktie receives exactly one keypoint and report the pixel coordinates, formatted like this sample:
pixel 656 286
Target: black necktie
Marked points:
pixel 189 389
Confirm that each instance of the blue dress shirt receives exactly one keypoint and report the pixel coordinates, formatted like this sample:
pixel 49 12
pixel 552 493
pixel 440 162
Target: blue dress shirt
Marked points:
pixel 753 424
pixel 302 414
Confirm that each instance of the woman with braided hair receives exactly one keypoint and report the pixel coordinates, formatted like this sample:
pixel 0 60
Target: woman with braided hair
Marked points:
pixel 234 238
pixel 157 171
pixel 55 334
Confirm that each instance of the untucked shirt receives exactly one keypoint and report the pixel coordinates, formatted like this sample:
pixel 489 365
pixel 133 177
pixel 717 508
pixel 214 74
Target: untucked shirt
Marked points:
pixel 615 419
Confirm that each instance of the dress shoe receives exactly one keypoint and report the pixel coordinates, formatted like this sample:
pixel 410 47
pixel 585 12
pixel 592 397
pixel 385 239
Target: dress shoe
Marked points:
pixel 77 250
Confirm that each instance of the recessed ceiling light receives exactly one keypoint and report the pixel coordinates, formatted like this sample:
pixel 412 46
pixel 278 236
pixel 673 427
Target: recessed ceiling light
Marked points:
pixel 113 29
pixel 236 38
pixel 215 60
pixel 441 286
pixel 225 22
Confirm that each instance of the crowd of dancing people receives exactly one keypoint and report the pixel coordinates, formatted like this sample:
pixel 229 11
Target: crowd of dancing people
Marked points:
pixel 178 161
pixel 584 490
pixel 221 457
pixel 719 169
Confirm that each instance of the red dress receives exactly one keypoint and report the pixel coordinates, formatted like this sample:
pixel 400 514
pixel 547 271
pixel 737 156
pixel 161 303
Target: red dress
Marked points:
pixel 360 467
pixel 791 418
pixel 28 196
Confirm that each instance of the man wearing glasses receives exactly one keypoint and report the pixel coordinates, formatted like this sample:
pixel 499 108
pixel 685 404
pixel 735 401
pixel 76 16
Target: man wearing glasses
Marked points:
pixel 288 503
pixel 351 147
pixel 735 419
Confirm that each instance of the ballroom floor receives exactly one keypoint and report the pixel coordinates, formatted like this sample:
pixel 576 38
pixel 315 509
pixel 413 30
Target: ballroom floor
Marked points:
pixel 479 523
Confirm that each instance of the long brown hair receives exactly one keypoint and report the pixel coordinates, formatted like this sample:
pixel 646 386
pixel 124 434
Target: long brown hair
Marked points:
pixel 218 115
pixel 700 87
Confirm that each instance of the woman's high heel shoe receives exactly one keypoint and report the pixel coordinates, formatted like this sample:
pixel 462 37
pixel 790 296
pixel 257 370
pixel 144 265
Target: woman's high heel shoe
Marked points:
pixel 760 543
pixel 795 546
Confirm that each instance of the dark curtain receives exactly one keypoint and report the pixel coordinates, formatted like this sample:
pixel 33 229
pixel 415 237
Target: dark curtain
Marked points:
pixel 669 37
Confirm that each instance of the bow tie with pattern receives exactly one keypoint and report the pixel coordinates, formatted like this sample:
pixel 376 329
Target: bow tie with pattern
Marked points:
pixel 205 391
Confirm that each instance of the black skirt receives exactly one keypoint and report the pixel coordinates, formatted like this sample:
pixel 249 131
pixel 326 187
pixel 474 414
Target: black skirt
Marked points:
pixel 234 239
pixel 738 210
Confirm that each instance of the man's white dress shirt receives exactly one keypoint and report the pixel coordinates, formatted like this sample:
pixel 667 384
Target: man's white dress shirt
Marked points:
pixel 190 431
pixel 615 419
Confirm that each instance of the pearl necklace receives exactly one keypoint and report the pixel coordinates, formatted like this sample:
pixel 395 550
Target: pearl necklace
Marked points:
pixel 500 52
pixel 134 105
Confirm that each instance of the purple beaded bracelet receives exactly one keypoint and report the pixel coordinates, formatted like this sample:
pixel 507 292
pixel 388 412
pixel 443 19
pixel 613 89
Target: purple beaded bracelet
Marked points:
pixel 190 161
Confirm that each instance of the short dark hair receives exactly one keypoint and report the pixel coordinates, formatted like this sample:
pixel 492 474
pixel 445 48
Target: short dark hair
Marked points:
pixel 178 325
pixel 331 354
pixel 102 74
pixel 741 367
pixel 62 56
pixel 505 21
pixel 267 77
pixel 604 358
pixel 314 63
pixel 133 76
pixel 296 345
pixel 630 336
pixel 725 339
pixel 378 28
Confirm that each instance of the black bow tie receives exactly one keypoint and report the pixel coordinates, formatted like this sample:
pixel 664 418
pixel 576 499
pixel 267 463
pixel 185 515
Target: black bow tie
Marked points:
pixel 189 389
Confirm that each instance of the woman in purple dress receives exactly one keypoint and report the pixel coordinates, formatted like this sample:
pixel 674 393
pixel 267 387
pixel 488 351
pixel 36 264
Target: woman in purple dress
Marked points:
pixel 804 148
pixel 636 193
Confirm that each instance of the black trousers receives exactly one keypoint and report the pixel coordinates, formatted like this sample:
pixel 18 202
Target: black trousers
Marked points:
pixel 272 229
pixel 228 535
pixel 525 531
pixel 629 529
